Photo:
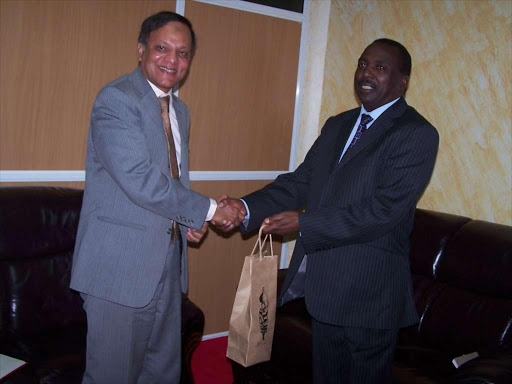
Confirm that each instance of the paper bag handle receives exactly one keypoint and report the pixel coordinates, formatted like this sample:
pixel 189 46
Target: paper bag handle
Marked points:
pixel 261 244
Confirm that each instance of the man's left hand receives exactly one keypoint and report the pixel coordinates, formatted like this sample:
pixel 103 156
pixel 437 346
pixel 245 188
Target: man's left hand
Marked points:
pixel 282 223
pixel 195 235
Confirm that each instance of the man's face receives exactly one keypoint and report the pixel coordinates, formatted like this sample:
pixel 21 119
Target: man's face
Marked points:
pixel 378 80
pixel 166 58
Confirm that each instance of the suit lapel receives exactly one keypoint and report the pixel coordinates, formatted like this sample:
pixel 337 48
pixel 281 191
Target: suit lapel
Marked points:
pixel 330 154
pixel 182 126
pixel 343 135
pixel 148 98
pixel 180 116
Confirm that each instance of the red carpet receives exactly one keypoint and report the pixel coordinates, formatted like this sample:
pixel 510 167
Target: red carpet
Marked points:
pixel 210 364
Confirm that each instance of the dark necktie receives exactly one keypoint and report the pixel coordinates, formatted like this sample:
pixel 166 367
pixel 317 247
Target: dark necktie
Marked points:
pixel 365 119
pixel 173 162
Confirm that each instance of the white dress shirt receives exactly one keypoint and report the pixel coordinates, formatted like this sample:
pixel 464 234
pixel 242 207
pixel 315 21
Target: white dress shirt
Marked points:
pixel 174 122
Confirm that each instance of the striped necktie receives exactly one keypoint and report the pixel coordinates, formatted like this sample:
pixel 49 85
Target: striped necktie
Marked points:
pixel 365 119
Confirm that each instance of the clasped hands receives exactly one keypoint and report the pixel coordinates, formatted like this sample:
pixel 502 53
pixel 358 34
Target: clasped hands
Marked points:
pixel 231 212
pixel 228 215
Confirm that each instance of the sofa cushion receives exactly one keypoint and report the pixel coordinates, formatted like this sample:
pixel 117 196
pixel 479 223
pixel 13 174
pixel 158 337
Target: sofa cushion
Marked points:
pixel 38 297
pixel 38 310
pixel 461 322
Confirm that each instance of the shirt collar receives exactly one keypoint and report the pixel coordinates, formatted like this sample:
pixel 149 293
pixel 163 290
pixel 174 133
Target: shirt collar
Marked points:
pixel 378 111
pixel 159 92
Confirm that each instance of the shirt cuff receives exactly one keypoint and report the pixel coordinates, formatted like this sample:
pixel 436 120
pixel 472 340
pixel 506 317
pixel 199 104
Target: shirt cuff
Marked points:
pixel 248 216
pixel 211 211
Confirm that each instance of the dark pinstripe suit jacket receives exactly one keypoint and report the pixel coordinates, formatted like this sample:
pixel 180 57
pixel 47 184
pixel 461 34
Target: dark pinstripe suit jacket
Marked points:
pixel 358 217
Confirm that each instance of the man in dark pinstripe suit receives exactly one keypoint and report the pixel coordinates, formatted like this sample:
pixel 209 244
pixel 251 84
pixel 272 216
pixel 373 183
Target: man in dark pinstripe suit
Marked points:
pixel 351 259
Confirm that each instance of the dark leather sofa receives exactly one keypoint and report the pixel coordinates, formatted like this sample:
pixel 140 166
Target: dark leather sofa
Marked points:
pixel 462 277
pixel 42 321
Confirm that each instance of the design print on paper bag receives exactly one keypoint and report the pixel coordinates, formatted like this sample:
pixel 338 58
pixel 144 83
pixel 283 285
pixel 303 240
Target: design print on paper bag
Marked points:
pixel 263 313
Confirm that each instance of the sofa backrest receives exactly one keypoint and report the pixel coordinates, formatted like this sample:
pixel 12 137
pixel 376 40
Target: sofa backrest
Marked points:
pixel 462 275
pixel 37 235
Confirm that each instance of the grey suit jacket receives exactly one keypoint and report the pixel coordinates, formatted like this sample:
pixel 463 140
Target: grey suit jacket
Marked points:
pixel 358 217
pixel 130 198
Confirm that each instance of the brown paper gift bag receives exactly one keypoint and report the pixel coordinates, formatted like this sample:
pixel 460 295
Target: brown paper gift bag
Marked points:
pixel 251 327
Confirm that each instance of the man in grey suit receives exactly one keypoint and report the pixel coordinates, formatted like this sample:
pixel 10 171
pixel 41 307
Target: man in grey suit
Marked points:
pixel 130 260
pixel 359 184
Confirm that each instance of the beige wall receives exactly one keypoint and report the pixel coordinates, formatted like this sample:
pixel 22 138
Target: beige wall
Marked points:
pixel 461 82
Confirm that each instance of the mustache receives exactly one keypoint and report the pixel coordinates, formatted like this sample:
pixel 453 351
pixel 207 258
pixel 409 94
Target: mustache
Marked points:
pixel 367 82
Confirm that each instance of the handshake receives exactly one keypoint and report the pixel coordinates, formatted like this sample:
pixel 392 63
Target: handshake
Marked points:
pixel 229 214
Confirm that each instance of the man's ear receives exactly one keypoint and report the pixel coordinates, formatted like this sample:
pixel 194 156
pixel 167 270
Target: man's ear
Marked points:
pixel 140 50
pixel 404 83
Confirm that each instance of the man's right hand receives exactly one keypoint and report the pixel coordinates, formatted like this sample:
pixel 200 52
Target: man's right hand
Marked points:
pixel 229 214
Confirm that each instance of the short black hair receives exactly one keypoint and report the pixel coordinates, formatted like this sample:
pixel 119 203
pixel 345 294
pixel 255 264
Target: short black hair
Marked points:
pixel 405 57
pixel 158 20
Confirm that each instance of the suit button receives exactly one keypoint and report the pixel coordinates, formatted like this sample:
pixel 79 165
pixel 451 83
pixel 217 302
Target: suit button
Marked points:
pixel 168 231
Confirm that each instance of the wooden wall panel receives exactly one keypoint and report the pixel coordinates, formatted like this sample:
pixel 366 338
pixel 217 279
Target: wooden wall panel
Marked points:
pixel 215 266
pixel 241 89
pixel 55 57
